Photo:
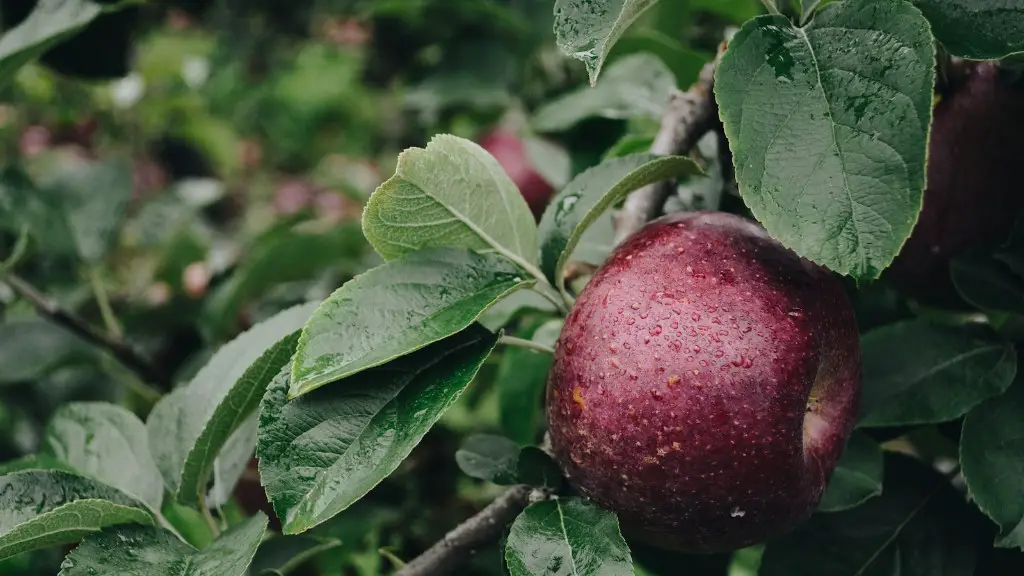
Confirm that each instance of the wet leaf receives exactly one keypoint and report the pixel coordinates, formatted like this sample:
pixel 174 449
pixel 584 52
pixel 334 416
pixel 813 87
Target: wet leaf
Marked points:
pixel 588 29
pixel 976 29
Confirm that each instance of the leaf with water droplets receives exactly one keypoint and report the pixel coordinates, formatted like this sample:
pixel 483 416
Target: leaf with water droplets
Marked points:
pixel 42 508
pixel 976 29
pixel 588 29
pixel 570 536
pixel 828 125
pixel 398 308
pixel 592 192
pixel 106 442
pixel 858 476
pixel 452 193
pixel 323 451
pixel 189 427
pixel 49 23
pixel 148 551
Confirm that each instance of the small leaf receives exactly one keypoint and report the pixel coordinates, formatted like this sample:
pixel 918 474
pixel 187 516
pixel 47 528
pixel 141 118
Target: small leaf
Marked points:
pixel 325 450
pixel 919 526
pixel 148 551
pixel 567 536
pixel 991 449
pixel 35 462
pixel 283 554
pixel 828 126
pixel 108 443
pixel 188 428
pixel 588 29
pixel 914 372
pixel 452 193
pixel 522 375
pixel 976 29
pixel 590 194
pixel 92 197
pixel 489 457
pixel 398 308
pixel 536 468
pixel 31 348
pixel 988 284
pixel 232 462
pixel 857 478
pixel 635 86
pixel 51 22
pixel 685 63
pixel 42 508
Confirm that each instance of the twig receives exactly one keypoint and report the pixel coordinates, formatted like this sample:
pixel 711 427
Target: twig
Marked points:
pixel 117 347
pixel 459 544
pixel 524 343
pixel 687 117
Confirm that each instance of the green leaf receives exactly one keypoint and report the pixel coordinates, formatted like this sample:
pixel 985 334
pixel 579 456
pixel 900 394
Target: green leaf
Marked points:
pixel 536 468
pixel 188 428
pixel 522 375
pixel 452 193
pixel 913 372
pixel 147 551
pixel 919 526
pixel 992 460
pixel 570 536
pixel 828 125
pixel 92 197
pixel 398 308
pixel 51 22
pixel 551 160
pixel 988 284
pixel 588 29
pixel 857 478
pixel 108 443
pixel 283 554
pixel 42 508
pixel 738 11
pixel 637 85
pixel 232 461
pixel 685 63
pixel 976 29
pixel 590 194
pixel 31 348
pixel 325 450
pixel 489 457
pixel 35 462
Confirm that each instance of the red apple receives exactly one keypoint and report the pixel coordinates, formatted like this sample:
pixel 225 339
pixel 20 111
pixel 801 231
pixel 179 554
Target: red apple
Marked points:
pixel 705 384
pixel 974 192
pixel 510 151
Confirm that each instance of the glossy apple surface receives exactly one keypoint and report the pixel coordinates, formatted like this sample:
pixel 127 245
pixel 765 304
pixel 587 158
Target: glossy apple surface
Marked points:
pixel 705 384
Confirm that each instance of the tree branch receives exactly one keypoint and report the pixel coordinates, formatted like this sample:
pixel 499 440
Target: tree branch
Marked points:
pixel 687 117
pixel 483 528
pixel 120 350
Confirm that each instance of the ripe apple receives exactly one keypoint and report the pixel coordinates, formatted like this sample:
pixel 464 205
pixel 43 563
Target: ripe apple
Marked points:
pixel 974 189
pixel 510 151
pixel 705 384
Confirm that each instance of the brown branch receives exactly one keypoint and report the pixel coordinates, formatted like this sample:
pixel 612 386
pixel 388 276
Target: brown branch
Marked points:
pixel 120 350
pixel 687 117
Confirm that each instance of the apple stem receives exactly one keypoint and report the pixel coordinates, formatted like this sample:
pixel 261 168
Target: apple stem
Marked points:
pixel 524 343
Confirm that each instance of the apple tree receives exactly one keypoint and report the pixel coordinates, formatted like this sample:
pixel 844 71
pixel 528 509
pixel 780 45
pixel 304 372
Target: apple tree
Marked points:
pixel 766 325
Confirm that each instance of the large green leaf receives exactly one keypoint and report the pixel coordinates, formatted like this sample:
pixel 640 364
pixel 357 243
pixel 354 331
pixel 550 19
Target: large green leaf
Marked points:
pixel 914 372
pixel 635 86
pixel 857 477
pixel 919 526
pixel 588 195
pixel 992 458
pixel 147 551
pixel 51 22
pixel 587 29
pixel 325 450
pixel 398 308
pixel 451 193
pixel 977 29
pixel 828 125
pixel 107 442
pixel 188 428
pixel 569 536
pixel 42 508
pixel 30 348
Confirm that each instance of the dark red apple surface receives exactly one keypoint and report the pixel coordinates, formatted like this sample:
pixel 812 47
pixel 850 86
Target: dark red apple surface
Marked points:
pixel 975 185
pixel 510 151
pixel 705 384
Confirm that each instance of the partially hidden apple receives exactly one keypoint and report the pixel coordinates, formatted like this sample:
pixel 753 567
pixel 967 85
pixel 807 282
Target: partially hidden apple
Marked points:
pixel 974 192
pixel 510 152
pixel 705 384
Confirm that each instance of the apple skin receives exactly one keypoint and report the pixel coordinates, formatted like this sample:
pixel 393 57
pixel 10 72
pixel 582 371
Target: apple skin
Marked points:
pixel 510 151
pixel 973 192
pixel 679 394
